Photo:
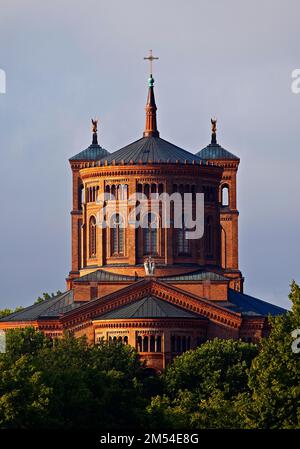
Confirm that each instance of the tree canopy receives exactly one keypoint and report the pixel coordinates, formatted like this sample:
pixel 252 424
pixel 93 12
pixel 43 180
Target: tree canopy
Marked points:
pixel 67 383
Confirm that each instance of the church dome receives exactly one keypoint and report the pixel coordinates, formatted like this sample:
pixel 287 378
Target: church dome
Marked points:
pixel 214 151
pixel 94 152
pixel 152 150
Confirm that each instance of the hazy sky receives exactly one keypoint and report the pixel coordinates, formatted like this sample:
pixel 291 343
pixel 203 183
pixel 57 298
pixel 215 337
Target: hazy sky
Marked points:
pixel 66 61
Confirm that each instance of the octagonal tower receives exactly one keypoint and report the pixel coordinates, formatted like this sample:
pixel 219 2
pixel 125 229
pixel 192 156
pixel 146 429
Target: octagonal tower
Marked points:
pixel 150 165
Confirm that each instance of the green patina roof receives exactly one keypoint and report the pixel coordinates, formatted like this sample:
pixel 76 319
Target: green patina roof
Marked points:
pixel 92 153
pixel 216 152
pixel 148 307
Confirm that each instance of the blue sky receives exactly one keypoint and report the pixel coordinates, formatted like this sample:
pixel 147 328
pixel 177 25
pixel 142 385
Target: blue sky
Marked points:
pixel 67 61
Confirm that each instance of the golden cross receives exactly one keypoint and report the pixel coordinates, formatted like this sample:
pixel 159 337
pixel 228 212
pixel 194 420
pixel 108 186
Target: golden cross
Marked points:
pixel 150 58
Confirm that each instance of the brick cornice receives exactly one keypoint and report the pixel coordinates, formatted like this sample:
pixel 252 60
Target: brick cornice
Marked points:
pixel 5 325
pixel 158 323
pixel 227 163
pixel 151 170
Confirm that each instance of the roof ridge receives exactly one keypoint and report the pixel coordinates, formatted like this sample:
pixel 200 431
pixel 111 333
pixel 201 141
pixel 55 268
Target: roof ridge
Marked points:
pixel 59 298
pixel 197 298
pixel 142 302
pixel 122 148
pixel 41 305
pixel 180 148
pixel 161 303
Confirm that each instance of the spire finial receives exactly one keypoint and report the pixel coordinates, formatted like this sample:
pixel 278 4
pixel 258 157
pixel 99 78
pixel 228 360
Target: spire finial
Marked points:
pixel 94 131
pixel 213 130
pixel 151 125
pixel 150 58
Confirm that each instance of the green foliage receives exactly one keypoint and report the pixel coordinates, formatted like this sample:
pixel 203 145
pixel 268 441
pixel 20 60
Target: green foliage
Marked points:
pixel 27 341
pixel 217 364
pixel 6 312
pixel 201 386
pixel 67 383
pixel 274 380
pixel 24 396
pixel 47 296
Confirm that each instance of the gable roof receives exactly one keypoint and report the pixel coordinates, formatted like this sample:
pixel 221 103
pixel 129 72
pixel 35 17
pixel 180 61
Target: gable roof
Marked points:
pixel 148 307
pixel 50 308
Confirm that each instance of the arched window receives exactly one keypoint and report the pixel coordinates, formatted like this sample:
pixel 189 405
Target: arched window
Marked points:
pixel 139 344
pixel 122 192
pixel 80 196
pixel 183 344
pixel 160 189
pixel 153 191
pixel 209 237
pixel 117 235
pixel 113 192
pixel 173 343
pixel 152 343
pixel 145 344
pixel 193 191
pixel 150 228
pixel 147 190
pixel 92 237
pixel 182 241
pixel 107 192
pixel 178 344
pixel 225 195
pixel 158 343
pixel 188 343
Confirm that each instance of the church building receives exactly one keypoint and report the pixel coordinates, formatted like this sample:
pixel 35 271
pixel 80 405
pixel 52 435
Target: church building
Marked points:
pixel 150 286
